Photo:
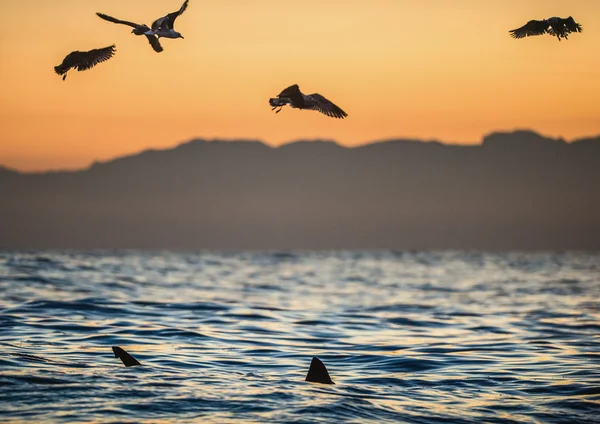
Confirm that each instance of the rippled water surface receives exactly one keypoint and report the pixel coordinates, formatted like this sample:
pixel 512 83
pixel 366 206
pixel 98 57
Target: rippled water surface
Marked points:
pixel 407 337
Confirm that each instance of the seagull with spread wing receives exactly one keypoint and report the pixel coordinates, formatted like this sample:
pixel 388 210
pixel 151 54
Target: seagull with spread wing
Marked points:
pixel 164 27
pixel 138 29
pixel 84 60
pixel 555 26
pixel 296 99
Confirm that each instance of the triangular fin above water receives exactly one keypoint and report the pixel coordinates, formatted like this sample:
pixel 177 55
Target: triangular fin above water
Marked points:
pixel 317 373
pixel 128 360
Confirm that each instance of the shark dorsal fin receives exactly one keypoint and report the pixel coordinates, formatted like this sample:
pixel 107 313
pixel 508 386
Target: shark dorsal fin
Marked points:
pixel 317 373
pixel 128 360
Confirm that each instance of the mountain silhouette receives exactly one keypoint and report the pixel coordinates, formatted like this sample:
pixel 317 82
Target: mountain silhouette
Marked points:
pixel 516 190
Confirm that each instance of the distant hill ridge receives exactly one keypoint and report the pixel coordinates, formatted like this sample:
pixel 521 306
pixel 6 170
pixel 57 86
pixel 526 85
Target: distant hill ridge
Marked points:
pixel 520 139
pixel 516 190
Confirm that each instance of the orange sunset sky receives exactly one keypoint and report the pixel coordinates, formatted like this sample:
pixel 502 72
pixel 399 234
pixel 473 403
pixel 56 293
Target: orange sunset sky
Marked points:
pixel 400 68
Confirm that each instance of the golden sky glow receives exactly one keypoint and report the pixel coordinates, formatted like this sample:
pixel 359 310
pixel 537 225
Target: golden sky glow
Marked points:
pixel 400 68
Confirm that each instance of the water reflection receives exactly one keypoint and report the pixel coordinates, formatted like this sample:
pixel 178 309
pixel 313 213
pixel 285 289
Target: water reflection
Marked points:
pixel 406 336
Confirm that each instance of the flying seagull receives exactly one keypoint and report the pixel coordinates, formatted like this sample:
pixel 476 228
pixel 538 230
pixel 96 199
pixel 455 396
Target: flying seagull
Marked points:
pixel 138 29
pixel 84 60
pixel 163 27
pixel 559 27
pixel 294 97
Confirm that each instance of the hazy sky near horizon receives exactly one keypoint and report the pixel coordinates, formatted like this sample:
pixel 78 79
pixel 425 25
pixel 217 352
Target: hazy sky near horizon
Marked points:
pixel 400 68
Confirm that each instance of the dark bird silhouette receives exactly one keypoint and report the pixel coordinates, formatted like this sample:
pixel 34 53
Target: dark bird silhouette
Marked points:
pixel 164 27
pixel 84 60
pixel 555 26
pixel 294 97
pixel 317 373
pixel 138 29
pixel 126 358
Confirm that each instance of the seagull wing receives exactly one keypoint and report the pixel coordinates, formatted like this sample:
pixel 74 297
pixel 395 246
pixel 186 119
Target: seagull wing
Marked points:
pixel 290 91
pixel 153 39
pixel 293 95
pixel 326 107
pixel 529 29
pixel 168 22
pixel 117 21
pixel 571 25
pixel 87 60
pixel 157 24
pixel 559 32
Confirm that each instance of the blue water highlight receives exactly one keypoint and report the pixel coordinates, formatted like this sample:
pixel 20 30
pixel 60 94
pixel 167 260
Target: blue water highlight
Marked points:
pixel 416 337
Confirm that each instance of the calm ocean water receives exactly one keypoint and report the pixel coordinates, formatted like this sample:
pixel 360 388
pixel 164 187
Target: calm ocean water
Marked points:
pixel 407 337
